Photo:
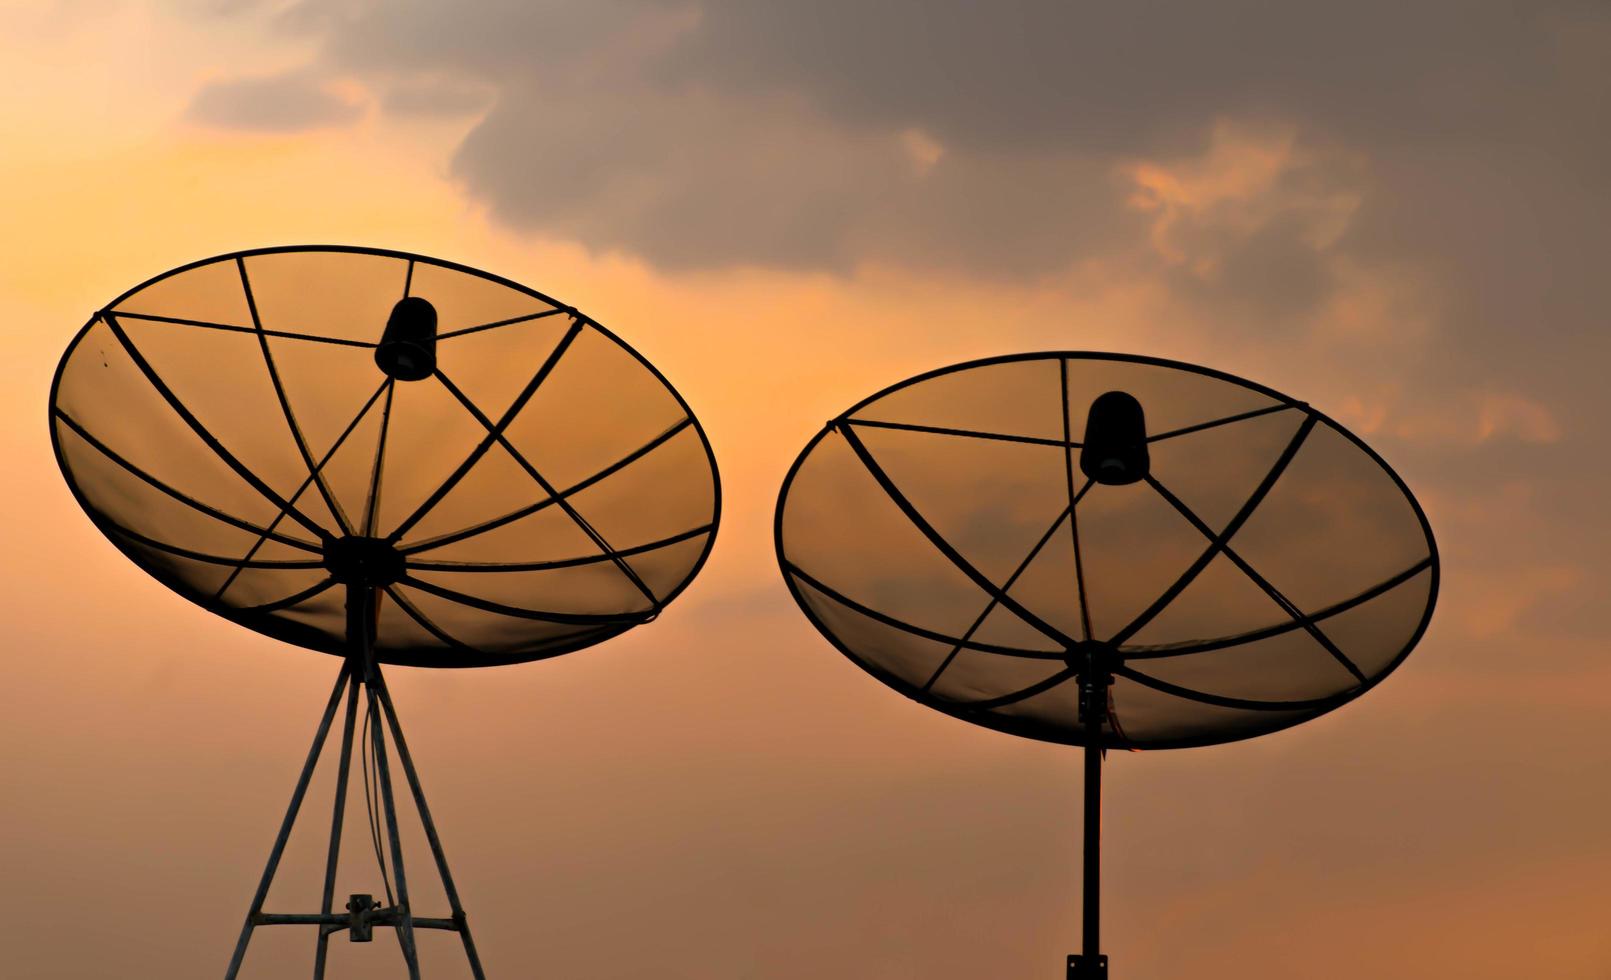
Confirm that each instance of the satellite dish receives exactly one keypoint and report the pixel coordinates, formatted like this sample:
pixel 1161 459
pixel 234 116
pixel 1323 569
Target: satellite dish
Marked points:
pixel 1107 551
pixel 391 459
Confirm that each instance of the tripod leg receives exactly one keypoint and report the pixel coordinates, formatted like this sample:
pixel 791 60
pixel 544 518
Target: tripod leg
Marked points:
pixel 430 827
pixel 335 828
pixel 405 912
pixel 285 826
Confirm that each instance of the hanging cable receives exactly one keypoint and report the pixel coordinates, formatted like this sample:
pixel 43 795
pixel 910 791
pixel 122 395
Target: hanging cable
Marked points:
pixel 371 798
pixel 1118 729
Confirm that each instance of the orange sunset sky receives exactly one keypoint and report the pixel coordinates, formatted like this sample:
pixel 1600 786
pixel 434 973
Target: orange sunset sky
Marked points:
pixel 1395 211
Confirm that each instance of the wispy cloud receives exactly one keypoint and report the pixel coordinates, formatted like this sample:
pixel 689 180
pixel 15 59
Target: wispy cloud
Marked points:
pixel 275 103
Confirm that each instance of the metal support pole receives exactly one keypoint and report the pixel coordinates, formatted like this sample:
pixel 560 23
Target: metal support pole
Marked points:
pixel 1092 903
pixel 323 949
pixel 361 636
pixel 407 760
pixel 1094 680
pixel 285 826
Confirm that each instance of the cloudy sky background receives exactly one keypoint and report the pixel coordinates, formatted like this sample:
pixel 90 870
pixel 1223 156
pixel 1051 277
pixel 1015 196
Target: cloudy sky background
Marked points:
pixel 1397 212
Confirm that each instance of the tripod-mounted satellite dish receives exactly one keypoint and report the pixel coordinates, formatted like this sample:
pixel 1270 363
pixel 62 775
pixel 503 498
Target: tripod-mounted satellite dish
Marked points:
pixel 1106 551
pixel 392 459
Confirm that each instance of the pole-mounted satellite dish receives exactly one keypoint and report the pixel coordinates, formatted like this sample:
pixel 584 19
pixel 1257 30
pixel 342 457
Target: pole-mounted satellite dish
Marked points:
pixel 388 458
pixel 1106 551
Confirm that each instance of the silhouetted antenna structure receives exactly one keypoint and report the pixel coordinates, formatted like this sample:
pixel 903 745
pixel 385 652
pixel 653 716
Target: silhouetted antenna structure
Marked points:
pixel 1107 551
pixel 392 459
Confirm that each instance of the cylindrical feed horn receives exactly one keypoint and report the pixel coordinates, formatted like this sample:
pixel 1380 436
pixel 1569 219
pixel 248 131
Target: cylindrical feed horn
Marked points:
pixel 1115 447
pixel 407 349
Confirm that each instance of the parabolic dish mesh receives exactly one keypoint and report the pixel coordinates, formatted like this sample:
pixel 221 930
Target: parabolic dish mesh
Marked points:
pixel 943 536
pixel 224 422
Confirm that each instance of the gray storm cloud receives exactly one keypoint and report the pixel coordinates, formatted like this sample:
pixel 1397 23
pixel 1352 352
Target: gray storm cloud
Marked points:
pixel 615 120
